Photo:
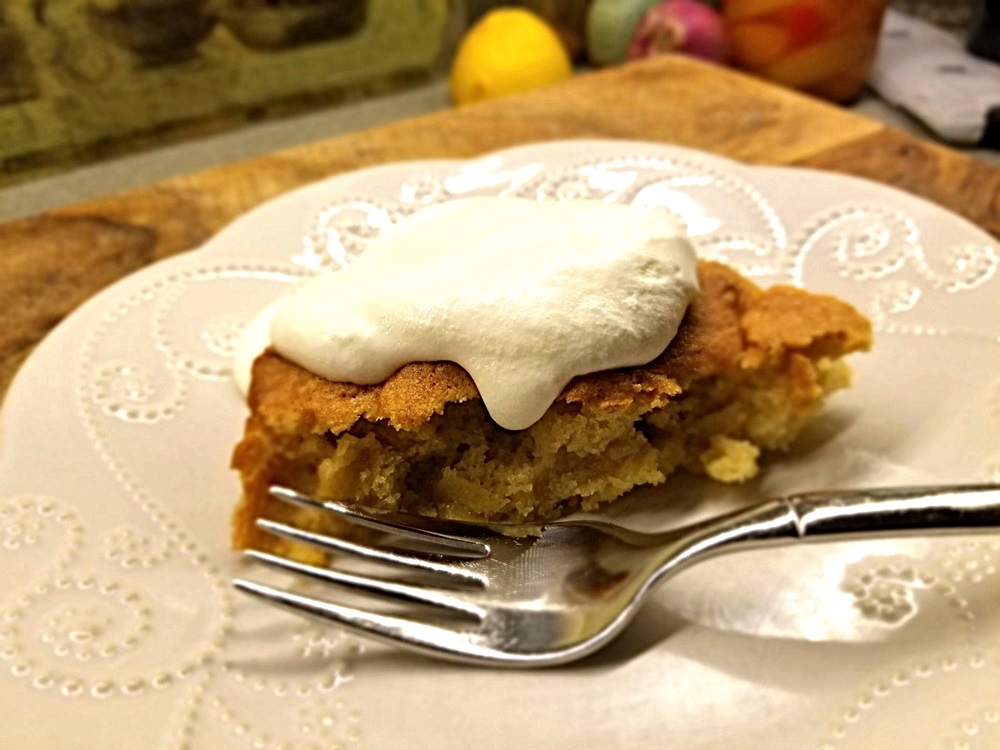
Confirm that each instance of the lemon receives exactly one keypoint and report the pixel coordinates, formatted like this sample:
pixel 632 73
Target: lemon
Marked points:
pixel 508 50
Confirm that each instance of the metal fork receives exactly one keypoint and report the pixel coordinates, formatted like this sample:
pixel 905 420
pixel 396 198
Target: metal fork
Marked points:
pixel 549 599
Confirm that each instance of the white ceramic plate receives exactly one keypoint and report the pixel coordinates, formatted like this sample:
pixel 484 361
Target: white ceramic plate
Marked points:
pixel 118 628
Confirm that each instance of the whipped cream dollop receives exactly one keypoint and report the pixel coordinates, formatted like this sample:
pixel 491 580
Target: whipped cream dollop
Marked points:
pixel 523 295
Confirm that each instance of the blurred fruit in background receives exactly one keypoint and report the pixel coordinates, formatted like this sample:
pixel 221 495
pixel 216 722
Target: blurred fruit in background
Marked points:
pixel 823 47
pixel 610 25
pixel 688 27
pixel 507 51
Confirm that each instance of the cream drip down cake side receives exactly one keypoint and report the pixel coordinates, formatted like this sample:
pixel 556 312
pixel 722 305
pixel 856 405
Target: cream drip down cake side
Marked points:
pixel 503 360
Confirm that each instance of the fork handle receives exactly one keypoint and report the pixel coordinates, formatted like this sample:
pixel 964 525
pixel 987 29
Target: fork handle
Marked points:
pixel 896 510
pixel 819 516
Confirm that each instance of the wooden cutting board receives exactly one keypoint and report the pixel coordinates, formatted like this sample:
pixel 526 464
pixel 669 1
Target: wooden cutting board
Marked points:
pixel 51 263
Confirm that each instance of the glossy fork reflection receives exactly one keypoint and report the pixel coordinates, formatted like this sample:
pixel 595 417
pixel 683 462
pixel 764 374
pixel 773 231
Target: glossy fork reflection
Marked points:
pixel 556 597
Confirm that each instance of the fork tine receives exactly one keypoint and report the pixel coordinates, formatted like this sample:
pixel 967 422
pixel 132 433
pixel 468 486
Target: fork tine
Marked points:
pixel 405 592
pixel 407 559
pixel 458 545
pixel 395 631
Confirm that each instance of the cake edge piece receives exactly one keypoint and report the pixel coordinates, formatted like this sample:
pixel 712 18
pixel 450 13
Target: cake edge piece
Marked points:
pixel 732 326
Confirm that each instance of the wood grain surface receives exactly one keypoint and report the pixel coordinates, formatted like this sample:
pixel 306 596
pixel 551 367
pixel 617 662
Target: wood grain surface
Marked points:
pixel 51 263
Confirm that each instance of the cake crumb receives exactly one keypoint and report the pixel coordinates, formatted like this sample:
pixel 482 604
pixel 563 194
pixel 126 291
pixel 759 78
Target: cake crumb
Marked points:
pixel 729 460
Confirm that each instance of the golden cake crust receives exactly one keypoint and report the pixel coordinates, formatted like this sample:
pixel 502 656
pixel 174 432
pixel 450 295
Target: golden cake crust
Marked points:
pixel 732 323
